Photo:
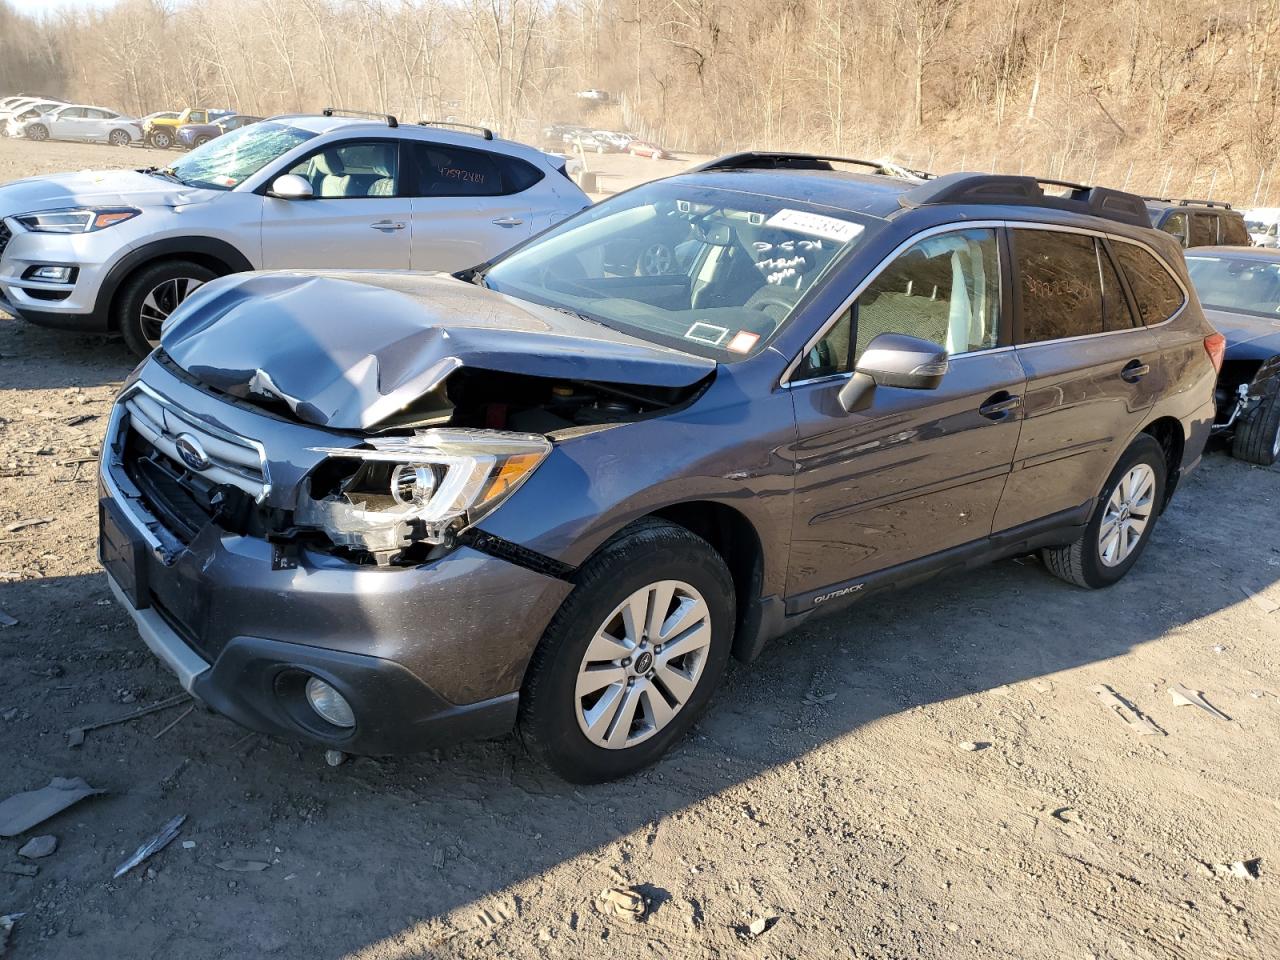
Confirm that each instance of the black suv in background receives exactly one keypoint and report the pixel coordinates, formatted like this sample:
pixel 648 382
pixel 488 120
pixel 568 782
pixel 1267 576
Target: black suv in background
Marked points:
pixel 558 490
pixel 1199 223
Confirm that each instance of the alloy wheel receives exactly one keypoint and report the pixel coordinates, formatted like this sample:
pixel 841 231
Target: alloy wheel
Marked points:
pixel 119 138
pixel 1128 511
pixel 643 664
pixel 163 299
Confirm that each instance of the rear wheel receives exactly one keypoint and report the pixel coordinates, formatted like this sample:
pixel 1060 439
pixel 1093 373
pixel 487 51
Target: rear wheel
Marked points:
pixel 1121 523
pixel 119 138
pixel 1257 437
pixel 37 132
pixel 632 656
pixel 201 141
pixel 151 295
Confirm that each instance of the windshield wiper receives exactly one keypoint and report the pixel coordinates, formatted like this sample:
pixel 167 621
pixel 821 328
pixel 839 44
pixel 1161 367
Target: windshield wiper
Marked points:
pixel 165 173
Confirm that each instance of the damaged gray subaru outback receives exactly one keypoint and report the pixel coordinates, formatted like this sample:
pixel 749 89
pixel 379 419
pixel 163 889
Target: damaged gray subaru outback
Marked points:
pixel 384 512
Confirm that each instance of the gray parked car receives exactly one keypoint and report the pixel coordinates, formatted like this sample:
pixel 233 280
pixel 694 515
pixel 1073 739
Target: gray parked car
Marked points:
pixel 385 511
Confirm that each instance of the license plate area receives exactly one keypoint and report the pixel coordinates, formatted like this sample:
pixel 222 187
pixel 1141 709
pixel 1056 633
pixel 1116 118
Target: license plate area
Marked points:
pixel 123 554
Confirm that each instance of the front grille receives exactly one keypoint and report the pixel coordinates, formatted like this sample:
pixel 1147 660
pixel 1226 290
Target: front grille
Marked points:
pixel 5 237
pixel 227 459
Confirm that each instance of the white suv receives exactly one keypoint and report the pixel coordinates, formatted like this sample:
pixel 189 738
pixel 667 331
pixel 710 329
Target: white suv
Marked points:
pixel 119 250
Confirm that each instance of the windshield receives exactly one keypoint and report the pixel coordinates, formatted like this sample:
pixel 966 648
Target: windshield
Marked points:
pixel 710 272
pixel 1237 284
pixel 229 160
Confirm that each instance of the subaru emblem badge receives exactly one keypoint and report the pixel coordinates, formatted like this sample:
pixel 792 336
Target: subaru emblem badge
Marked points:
pixel 191 452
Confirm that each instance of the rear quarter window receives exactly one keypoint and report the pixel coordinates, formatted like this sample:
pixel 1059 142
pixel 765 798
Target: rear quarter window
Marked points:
pixel 1234 232
pixel 447 171
pixel 1157 294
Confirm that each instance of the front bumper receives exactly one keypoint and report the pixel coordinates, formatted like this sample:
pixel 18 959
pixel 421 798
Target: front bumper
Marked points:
pixel 425 655
pixel 68 306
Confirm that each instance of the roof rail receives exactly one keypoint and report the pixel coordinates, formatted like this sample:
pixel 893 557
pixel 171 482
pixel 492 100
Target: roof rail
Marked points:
pixel 776 160
pixel 1029 191
pixel 387 118
pixel 484 132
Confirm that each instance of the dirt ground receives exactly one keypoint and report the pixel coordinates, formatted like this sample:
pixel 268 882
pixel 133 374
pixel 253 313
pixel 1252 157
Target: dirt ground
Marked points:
pixel 828 792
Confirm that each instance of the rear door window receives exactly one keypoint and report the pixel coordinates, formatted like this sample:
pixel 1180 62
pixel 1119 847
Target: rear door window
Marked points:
pixel 1060 283
pixel 443 170
pixel 1204 230
pixel 1156 293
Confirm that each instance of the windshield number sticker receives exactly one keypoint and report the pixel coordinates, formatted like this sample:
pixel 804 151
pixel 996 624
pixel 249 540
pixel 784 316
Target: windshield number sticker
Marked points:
pixel 707 333
pixel 742 342
pixel 816 225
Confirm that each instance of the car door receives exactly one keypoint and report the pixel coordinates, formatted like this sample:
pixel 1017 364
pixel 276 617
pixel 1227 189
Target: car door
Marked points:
pixel 1088 363
pixel 65 124
pixel 915 472
pixel 469 205
pixel 357 216
pixel 97 123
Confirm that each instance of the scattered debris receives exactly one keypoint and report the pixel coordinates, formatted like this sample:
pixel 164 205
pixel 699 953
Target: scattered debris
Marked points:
pixel 1066 815
pixel 75 736
pixel 1261 602
pixel 626 903
pixel 242 866
pixel 758 926
pixel 1126 712
pixel 973 745
pixel 173 723
pixel 21 869
pixel 334 758
pixel 6 927
pixel 6 620
pixel 188 844
pixel 23 524
pixel 23 811
pixel 37 848
pixel 1240 869
pixel 1184 697
pixel 1043 686
pixel 82 418
pixel 152 846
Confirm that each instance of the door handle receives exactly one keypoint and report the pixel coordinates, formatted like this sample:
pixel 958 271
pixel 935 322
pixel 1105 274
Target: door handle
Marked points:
pixel 507 221
pixel 387 226
pixel 999 405
pixel 1134 371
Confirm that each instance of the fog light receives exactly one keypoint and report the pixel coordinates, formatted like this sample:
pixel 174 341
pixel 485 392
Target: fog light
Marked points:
pixel 329 703
pixel 53 274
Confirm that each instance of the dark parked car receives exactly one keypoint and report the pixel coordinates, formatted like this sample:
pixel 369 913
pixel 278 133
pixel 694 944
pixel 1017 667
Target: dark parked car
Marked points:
pixel 559 490
pixel 1199 223
pixel 192 135
pixel 1240 290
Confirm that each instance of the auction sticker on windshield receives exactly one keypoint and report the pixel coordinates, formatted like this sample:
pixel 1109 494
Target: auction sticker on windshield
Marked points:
pixel 816 225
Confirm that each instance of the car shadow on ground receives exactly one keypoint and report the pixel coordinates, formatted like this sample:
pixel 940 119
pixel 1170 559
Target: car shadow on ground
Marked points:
pixel 38 358
pixel 422 837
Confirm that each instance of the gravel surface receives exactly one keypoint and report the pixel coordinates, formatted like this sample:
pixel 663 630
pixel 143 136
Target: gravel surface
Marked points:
pixel 926 775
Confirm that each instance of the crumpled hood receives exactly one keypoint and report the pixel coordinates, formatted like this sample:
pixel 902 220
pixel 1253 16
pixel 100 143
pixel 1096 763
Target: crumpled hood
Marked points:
pixel 349 349
pixel 127 188
pixel 1247 335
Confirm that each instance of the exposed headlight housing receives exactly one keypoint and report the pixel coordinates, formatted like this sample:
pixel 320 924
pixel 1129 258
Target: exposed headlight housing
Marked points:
pixel 76 219
pixel 425 488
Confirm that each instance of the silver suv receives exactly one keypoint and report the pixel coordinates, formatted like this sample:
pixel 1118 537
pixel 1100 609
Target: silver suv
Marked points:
pixel 119 250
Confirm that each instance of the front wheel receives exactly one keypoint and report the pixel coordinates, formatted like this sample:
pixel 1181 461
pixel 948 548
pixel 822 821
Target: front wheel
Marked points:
pixel 1257 438
pixel 632 656
pixel 201 141
pixel 1121 523
pixel 37 132
pixel 148 298
pixel 119 138
pixel 162 139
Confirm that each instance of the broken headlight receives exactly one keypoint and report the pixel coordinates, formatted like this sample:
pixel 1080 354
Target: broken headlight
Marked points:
pixel 419 489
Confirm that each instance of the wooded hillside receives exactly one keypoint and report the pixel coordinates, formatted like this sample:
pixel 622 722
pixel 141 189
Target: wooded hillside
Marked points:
pixel 1161 96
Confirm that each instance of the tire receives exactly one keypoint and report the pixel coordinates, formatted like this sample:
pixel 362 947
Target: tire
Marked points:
pixel 119 138
pixel 150 295
pixel 201 141
pixel 37 132
pixel 1083 563
pixel 553 718
pixel 161 139
pixel 1257 437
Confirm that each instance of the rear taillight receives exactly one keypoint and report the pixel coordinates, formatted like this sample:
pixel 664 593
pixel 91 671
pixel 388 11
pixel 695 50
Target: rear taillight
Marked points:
pixel 1216 346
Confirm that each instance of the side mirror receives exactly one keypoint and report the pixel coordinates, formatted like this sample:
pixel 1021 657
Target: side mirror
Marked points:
pixel 894 360
pixel 290 186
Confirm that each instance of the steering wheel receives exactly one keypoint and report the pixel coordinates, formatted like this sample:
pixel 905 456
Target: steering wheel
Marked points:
pixel 773 301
